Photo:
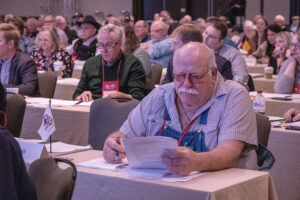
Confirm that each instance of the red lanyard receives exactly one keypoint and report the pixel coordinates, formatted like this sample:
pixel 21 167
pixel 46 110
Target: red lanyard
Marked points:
pixel 184 133
pixel 103 76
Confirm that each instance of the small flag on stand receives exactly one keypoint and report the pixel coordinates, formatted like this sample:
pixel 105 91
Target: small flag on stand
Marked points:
pixel 47 127
pixel 246 46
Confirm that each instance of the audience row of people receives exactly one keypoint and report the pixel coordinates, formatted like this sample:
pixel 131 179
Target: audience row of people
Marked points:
pixel 268 43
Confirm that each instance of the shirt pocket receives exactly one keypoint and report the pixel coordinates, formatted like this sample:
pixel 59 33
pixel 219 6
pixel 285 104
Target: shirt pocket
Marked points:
pixel 211 135
pixel 154 123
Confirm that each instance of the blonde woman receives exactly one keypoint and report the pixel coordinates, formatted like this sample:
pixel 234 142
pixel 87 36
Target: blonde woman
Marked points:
pixel 288 81
pixel 282 45
pixel 50 51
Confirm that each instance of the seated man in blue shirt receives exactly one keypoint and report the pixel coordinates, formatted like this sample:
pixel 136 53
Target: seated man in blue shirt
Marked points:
pixel 212 119
pixel 159 46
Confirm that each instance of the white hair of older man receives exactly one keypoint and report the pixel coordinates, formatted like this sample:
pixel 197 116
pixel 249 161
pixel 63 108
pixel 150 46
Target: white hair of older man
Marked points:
pixel 249 24
pixel 61 18
pixel 110 28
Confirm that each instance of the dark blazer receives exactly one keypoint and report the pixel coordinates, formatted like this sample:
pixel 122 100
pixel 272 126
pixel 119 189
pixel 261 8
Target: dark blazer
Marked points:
pixel 14 181
pixel 23 75
pixel 2 104
pixel 224 67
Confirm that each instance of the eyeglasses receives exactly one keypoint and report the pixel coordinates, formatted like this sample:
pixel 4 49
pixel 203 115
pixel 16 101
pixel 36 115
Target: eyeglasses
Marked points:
pixel 192 77
pixel 108 47
pixel 295 45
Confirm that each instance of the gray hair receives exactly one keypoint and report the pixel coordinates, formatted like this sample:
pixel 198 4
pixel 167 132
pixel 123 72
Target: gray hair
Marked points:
pixel 61 18
pixel 110 28
pixel 162 25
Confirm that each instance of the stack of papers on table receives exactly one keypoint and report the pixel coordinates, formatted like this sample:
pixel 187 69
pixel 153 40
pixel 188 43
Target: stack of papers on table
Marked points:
pixel 144 159
pixel 161 174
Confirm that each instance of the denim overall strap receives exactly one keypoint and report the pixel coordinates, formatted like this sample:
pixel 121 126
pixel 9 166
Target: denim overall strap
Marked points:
pixel 195 140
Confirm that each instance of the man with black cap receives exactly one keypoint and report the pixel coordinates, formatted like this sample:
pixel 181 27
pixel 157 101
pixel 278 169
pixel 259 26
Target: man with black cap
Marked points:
pixel 86 46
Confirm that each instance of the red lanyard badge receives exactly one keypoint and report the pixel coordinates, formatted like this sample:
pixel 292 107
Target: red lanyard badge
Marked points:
pixel 110 86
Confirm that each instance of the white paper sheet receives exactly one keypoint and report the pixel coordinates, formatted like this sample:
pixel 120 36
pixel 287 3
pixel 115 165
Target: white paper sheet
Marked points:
pixel 100 163
pixel 60 147
pixel 296 124
pixel 45 101
pixel 88 103
pixel 68 81
pixel 146 152
pixel 274 118
pixel 159 174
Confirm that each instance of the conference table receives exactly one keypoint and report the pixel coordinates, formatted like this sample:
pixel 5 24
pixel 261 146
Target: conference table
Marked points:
pixel 226 184
pixel 264 84
pixel 65 88
pixel 71 121
pixel 279 107
pixel 285 173
pixel 257 68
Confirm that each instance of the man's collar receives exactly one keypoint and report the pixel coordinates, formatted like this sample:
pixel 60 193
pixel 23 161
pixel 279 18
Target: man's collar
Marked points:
pixel 7 60
pixel 114 61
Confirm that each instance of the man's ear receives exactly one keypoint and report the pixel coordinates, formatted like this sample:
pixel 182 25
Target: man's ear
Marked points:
pixel 214 72
pixel 11 44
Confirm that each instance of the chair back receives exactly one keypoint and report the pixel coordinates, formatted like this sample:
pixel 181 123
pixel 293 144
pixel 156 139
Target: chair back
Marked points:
pixel 15 109
pixel 106 117
pixel 51 182
pixel 250 83
pixel 155 73
pixel 265 158
pixel 263 129
pixel 47 84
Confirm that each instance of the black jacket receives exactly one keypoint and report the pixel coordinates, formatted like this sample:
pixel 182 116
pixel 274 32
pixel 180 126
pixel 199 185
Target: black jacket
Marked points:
pixel 14 180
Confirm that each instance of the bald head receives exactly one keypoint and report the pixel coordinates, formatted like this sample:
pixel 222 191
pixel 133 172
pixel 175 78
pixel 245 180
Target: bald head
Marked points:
pixel 159 30
pixel 195 74
pixel 196 52
pixel 279 20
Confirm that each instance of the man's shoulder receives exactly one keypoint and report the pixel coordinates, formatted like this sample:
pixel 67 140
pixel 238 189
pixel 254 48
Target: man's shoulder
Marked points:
pixel 92 63
pixel 230 87
pixel 228 48
pixel 6 139
pixel 22 58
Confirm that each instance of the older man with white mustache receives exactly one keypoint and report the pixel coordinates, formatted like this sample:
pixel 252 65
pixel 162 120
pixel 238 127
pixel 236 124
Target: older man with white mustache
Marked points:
pixel 212 119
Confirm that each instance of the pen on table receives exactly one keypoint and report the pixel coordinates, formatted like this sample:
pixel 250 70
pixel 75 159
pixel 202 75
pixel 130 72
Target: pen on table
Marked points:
pixel 78 102
pixel 117 152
